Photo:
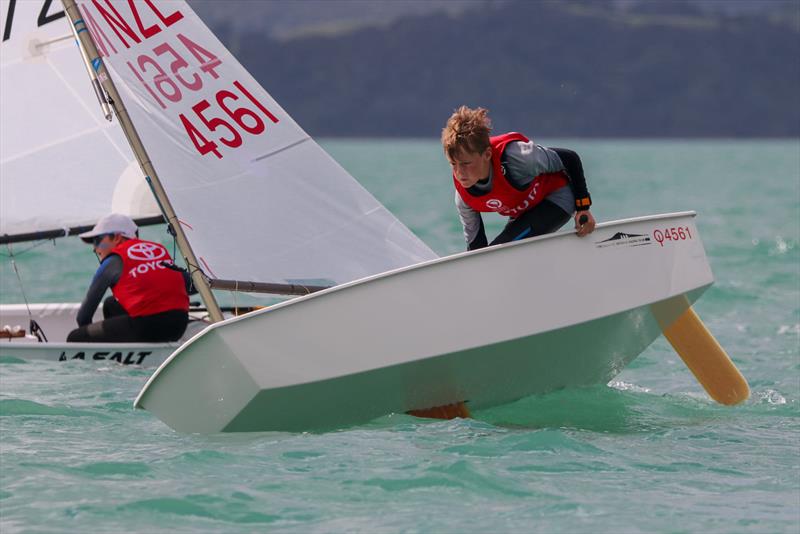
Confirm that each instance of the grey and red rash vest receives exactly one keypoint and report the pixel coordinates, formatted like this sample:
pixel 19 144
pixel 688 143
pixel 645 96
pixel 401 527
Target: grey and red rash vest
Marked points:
pixel 145 286
pixel 504 198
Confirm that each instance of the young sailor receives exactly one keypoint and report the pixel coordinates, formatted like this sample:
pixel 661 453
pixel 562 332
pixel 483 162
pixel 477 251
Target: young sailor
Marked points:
pixel 151 302
pixel 538 188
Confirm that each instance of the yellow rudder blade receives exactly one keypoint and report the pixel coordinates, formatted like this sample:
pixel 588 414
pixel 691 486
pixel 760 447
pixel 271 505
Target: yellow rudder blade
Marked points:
pixel 706 359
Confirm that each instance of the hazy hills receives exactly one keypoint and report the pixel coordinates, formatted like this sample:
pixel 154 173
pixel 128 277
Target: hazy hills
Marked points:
pixel 549 68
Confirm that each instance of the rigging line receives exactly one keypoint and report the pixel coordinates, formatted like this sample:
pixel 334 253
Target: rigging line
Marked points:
pixel 19 279
pixel 192 268
pixel 20 253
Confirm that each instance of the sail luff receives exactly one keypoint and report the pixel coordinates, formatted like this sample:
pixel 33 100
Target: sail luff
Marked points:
pixel 198 277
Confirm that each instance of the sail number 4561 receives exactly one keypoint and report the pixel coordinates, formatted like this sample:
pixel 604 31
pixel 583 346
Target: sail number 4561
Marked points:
pixel 241 118
pixel 676 233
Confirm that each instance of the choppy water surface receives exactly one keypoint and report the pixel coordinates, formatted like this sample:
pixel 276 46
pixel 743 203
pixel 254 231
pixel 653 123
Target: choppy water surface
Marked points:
pixel 649 452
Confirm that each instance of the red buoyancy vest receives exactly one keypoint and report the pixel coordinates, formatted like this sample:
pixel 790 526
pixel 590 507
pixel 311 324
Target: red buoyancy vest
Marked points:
pixel 146 287
pixel 504 198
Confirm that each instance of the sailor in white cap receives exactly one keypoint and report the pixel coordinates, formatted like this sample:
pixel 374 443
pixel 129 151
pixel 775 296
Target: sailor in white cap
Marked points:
pixel 150 301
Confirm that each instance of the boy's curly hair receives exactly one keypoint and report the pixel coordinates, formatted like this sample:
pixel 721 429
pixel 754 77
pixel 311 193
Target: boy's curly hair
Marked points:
pixel 466 129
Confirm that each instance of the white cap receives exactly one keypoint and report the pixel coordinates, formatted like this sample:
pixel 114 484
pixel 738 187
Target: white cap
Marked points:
pixel 113 223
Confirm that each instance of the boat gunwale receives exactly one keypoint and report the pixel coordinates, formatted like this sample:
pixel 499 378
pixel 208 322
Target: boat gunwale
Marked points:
pixel 74 344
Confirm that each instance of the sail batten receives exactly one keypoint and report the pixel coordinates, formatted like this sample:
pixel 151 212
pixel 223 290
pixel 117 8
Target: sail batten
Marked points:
pixel 36 150
pixel 278 151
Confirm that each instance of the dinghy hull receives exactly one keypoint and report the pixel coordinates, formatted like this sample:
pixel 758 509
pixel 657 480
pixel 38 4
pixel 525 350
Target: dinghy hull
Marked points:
pixel 58 319
pixel 139 354
pixel 486 327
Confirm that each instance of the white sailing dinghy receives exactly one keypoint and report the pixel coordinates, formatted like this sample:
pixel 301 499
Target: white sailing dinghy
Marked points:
pixel 62 167
pixel 427 335
pixel 381 325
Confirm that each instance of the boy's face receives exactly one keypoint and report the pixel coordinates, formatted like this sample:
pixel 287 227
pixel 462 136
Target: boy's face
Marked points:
pixel 470 167
pixel 103 244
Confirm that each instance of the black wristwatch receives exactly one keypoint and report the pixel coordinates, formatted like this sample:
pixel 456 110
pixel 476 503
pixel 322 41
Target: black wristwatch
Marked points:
pixel 583 204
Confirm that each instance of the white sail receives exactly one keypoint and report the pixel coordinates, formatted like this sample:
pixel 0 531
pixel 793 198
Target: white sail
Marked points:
pixel 258 199
pixel 61 163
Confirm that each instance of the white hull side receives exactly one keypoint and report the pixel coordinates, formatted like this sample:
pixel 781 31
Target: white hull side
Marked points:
pixel 58 319
pixel 487 327
pixel 141 354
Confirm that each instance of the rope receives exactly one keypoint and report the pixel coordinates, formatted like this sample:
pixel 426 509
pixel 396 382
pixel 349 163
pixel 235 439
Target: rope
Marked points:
pixel 33 325
pixel 39 244
pixel 19 279
pixel 190 267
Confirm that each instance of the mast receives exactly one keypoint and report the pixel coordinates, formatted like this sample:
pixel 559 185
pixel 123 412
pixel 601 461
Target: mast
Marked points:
pixel 98 89
pixel 198 278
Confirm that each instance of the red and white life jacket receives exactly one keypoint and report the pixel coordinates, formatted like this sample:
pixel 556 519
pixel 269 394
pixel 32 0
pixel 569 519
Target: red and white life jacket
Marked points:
pixel 504 198
pixel 146 287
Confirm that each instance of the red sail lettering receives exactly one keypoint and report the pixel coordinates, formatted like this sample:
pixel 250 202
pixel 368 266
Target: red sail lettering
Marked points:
pixel 117 23
pixel 97 32
pixel 168 21
pixel 146 32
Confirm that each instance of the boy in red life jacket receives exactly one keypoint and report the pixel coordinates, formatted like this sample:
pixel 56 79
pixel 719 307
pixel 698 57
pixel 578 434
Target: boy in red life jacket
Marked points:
pixel 150 303
pixel 538 188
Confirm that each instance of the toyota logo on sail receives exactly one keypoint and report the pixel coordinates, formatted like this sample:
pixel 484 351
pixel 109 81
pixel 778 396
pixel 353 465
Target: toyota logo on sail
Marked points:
pixel 146 252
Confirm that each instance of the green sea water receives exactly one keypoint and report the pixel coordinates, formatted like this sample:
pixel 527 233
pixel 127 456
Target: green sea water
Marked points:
pixel 650 452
